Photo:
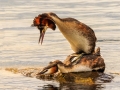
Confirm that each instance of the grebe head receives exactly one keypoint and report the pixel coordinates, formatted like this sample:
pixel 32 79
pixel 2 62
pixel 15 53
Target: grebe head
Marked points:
pixel 42 22
pixel 50 69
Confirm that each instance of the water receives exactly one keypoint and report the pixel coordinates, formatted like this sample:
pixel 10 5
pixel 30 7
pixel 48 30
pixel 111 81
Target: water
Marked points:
pixel 19 42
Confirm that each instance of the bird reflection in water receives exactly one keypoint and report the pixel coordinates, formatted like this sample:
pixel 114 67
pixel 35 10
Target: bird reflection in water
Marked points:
pixel 82 81
pixel 49 87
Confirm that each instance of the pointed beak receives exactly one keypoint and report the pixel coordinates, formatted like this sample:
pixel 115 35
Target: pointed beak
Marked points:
pixel 42 33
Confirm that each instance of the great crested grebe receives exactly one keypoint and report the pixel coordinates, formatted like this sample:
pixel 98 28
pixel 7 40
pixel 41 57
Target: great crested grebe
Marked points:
pixel 92 62
pixel 80 36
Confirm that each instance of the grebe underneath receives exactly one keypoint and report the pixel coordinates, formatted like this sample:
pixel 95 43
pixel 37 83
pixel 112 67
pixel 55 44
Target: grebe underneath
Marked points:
pixel 92 62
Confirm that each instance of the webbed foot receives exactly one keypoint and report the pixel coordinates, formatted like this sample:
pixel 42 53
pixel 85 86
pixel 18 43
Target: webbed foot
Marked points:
pixel 76 57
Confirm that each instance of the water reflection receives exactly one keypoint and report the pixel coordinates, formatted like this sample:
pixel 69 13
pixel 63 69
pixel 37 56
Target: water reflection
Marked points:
pixel 80 81
pixel 72 86
pixel 49 87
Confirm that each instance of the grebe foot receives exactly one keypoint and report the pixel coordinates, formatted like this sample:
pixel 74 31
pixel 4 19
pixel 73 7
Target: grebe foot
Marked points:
pixel 76 57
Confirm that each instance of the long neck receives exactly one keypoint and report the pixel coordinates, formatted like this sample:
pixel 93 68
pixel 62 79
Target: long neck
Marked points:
pixel 65 28
pixel 62 25
pixel 57 20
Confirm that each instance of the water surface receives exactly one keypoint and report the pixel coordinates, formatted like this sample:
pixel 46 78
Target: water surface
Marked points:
pixel 19 42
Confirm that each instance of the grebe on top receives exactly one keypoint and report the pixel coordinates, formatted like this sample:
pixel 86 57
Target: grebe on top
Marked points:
pixel 80 36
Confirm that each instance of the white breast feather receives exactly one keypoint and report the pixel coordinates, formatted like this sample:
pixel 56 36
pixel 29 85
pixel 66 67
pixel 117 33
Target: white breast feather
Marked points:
pixel 76 68
pixel 78 42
